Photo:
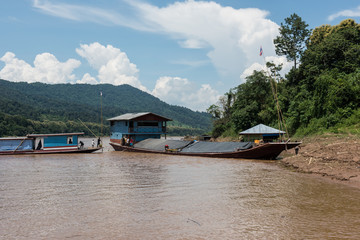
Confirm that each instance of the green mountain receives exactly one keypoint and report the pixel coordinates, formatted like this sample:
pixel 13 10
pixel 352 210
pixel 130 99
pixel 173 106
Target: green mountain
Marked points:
pixel 37 107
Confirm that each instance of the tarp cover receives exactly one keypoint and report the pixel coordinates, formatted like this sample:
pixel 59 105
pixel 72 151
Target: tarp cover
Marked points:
pixel 217 147
pixel 190 146
pixel 14 144
pixel 159 144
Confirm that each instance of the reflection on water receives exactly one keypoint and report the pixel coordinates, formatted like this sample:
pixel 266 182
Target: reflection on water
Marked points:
pixel 115 195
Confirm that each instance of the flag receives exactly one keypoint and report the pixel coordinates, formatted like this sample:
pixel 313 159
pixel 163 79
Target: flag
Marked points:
pixel 261 51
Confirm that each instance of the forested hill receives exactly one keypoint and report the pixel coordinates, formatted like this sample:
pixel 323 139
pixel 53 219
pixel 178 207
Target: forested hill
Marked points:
pixel 37 107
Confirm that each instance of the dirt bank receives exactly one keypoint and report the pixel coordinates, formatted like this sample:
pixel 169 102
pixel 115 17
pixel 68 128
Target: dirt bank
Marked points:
pixel 331 156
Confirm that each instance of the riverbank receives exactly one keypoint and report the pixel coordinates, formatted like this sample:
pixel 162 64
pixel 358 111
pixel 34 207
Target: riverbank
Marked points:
pixel 332 156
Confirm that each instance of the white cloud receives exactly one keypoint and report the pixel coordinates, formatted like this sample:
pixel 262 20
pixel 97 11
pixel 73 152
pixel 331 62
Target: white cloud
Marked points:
pixel 76 12
pixel 180 91
pixel 249 71
pixel 203 98
pixel 346 13
pixel 233 36
pixel 168 88
pixel 230 36
pixel 46 69
pixel 84 13
pixel 193 43
pixel 98 55
pixel 87 79
pixel 113 65
pixel 286 66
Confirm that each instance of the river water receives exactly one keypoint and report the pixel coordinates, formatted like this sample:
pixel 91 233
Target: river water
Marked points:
pixel 118 195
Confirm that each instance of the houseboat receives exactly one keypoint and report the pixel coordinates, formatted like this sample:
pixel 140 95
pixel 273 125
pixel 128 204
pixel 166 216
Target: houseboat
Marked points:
pixel 144 131
pixel 137 127
pixel 44 144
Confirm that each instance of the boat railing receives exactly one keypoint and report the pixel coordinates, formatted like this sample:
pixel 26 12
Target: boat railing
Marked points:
pixel 147 130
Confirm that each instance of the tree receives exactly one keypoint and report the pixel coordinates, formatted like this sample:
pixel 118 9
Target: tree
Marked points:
pixel 293 36
pixel 322 93
pixel 215 112
pixel 227 102
pixel 333 47
pixel 253 102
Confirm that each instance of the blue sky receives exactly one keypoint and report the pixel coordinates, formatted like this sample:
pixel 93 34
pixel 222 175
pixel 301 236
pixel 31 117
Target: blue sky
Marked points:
pixel 186 53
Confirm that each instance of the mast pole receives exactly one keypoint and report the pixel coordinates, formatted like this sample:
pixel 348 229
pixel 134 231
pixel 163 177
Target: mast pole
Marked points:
pixel 281 120
pixel 88 128
pixel 101 115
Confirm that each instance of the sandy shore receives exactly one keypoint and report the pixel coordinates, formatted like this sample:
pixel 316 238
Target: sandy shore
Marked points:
pixel 333 157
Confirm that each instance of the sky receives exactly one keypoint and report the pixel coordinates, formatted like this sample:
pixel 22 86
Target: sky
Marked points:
pixel 184 52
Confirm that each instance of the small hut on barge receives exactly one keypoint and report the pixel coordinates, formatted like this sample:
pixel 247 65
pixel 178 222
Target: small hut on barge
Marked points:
pixel 261 132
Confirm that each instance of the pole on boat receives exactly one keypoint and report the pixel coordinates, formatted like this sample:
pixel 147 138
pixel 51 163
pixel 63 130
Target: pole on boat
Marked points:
pixel 19 145
pixel 88 128
pixel 101 118
pixel 281 119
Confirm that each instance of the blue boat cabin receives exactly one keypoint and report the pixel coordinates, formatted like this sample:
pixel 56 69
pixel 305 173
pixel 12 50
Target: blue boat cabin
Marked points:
pixel 58 140
pixel 137 126
pixel 41 142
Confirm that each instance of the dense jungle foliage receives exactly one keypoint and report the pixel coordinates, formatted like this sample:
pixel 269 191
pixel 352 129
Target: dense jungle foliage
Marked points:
pixel 321 93
pixel 43 108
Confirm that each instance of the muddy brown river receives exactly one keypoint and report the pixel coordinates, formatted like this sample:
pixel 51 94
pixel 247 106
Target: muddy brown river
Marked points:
pixel 116 195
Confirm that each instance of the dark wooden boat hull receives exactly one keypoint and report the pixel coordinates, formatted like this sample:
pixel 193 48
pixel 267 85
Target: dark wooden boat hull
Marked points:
pixel 55 151
pixel 267 151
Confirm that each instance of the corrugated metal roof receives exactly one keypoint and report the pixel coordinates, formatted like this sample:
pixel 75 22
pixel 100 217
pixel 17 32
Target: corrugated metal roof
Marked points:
pixel 130 116
pixel 261 129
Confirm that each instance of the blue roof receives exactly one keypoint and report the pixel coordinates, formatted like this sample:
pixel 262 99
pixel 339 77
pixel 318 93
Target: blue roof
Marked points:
pixel 261 129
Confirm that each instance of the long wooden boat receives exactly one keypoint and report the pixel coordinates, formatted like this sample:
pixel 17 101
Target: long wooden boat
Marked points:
pixel 248 150
pixel 44 144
